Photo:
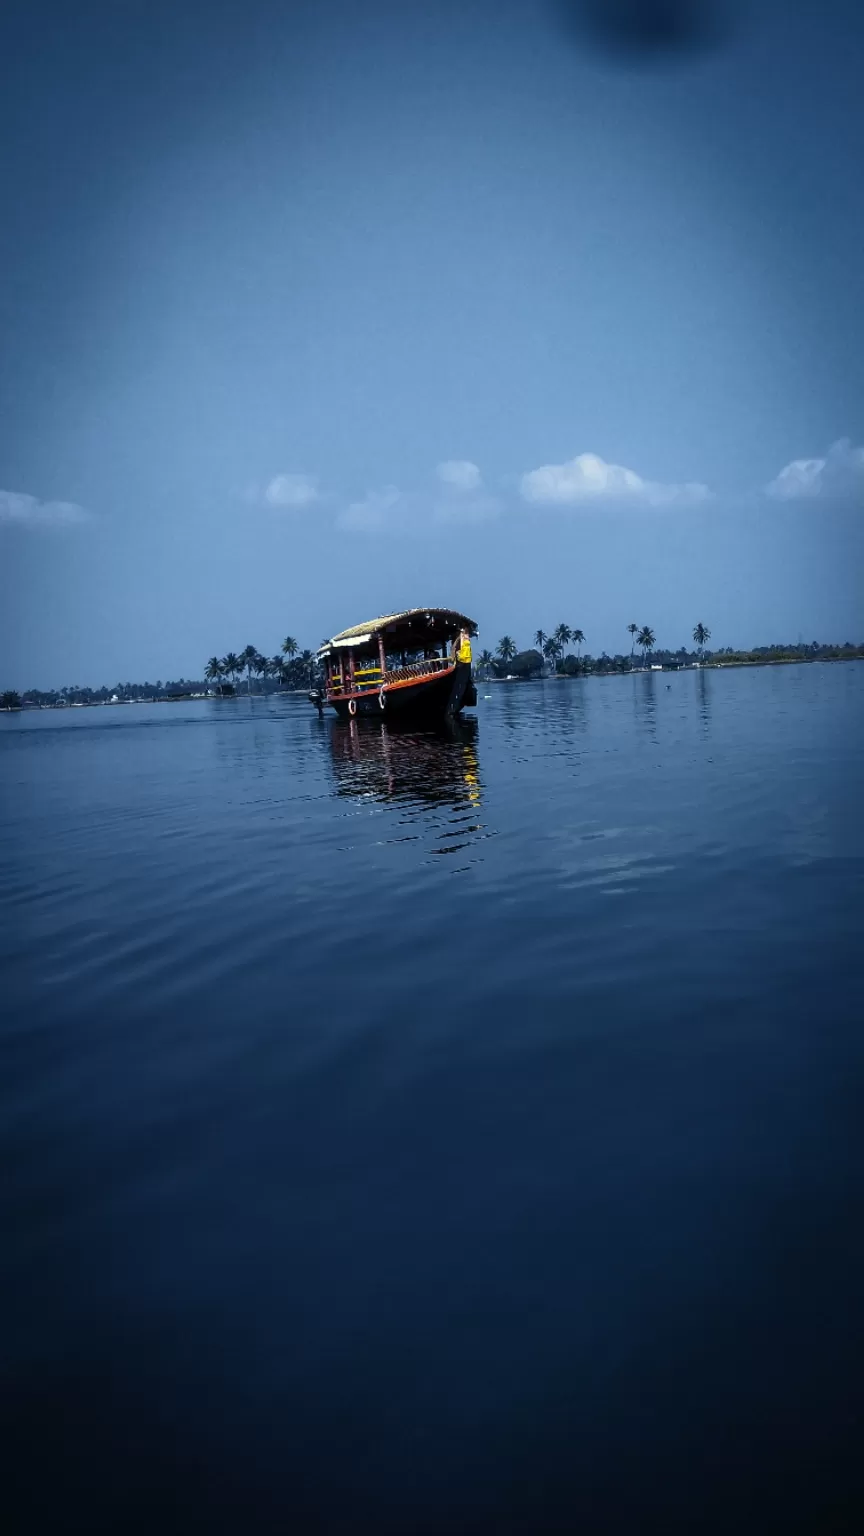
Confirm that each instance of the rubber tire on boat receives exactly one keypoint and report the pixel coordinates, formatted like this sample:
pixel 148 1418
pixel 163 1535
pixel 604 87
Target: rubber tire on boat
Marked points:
pixel 382 700
pixel 352 706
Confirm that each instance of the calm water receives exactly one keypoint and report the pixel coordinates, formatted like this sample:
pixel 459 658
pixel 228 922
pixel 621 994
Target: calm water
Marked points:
pixel 411 1133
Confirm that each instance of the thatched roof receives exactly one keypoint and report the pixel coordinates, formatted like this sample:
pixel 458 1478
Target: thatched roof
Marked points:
pixel 442 618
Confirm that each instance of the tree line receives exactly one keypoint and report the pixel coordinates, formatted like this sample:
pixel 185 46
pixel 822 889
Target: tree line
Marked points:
pixel 552 648
pixel 294 668
pixel 508 659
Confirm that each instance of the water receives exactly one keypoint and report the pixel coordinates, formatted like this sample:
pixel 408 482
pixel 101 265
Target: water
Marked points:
pixel 429 1133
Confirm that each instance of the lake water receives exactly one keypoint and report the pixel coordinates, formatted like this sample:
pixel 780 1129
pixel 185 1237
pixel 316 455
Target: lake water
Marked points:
pixel 414 1133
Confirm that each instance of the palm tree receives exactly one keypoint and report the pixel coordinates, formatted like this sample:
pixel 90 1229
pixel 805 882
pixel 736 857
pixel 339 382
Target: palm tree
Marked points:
pixel 551 649
pixel 701 635
pixel 290 647
pixel 540 639
pixel 306 660
pixel 563 634
pixel 231 666
pixel 261 665
pixel 485 660
pixel 247 660
pixel 506 649
pixel 632 630
pixel 578 638
pixel 213 670
pixel 646 639
pixel 277 667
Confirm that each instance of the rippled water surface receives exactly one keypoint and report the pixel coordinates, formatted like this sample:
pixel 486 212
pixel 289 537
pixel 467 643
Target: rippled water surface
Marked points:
pixel 421 1133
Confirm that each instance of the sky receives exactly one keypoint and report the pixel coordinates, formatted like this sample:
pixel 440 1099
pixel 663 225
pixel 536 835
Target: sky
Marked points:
pixel 312 311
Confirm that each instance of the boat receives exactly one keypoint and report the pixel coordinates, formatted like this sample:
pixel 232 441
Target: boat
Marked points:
pixel 401 664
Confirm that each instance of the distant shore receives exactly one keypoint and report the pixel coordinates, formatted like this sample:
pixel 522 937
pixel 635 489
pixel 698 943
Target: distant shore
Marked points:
pixel 715 665
pixel 27 705
pixel 705 666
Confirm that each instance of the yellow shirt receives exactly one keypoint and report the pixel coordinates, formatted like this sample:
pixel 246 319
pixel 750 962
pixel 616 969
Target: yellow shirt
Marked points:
pixel 464 651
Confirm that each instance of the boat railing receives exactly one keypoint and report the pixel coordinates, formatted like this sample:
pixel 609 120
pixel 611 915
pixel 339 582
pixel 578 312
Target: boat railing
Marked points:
pixel 417 669
pixel 369 678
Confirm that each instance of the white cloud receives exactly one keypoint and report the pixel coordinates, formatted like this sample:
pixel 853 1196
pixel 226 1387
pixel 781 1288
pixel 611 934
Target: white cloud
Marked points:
pixel 292 491
pixel 839 475
pixel 461 474
pixel 411 515
pixel 374 514
pixel 462 498
pixel 588 479
pixel 29 512
pixel 466 509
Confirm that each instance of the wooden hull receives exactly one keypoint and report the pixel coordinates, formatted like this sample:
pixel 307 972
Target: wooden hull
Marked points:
pixel 432 697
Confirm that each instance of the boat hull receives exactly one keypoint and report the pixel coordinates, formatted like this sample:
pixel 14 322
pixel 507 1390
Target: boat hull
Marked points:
pixel 431 697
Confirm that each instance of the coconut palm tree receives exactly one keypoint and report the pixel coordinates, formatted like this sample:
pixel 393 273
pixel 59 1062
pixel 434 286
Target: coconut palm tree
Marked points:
pixel 213 670
pixel 306 663
pixel 540 638
pixel 646 638
pixel 506 649
pixel 632 630
pixel 563 635
pixel 578 639
pixel 232 666
pixel 248 658
pixel 277 667
pixel 551 649
pixel 485 660
pixel 701 635
pixel 290 647
pixel 261 667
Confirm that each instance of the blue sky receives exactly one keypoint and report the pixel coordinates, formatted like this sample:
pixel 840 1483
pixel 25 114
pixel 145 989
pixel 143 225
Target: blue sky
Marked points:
pixel 311 311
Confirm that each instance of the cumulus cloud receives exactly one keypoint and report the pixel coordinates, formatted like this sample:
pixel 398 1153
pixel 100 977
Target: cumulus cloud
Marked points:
pixel 460 498
pixel 376 513
pixel 461 474
pixel 29 512
pixel 292 491
pixel 465 509
pixel 588 478
pixel 839 475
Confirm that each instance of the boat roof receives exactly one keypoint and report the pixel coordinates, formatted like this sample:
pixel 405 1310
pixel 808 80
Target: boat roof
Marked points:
pixel 425 618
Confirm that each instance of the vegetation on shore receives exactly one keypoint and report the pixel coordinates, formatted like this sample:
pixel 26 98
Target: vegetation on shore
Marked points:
pixel 549 651
pixel 294 668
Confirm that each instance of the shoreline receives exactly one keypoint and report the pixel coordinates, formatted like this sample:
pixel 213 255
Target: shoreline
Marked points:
pixel 556 677
pixel 705 666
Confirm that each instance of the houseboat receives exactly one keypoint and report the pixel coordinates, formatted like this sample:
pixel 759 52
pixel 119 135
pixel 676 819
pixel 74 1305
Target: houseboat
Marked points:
pixel 415 663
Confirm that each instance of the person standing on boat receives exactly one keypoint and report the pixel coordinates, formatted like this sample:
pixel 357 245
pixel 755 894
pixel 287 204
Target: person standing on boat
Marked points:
pixel 464 691
pixel 462 648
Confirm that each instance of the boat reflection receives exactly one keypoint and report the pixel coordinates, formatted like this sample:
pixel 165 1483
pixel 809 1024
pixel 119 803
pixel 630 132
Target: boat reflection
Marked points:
pixel 383 761
pixel 704 693
pixel 645 702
